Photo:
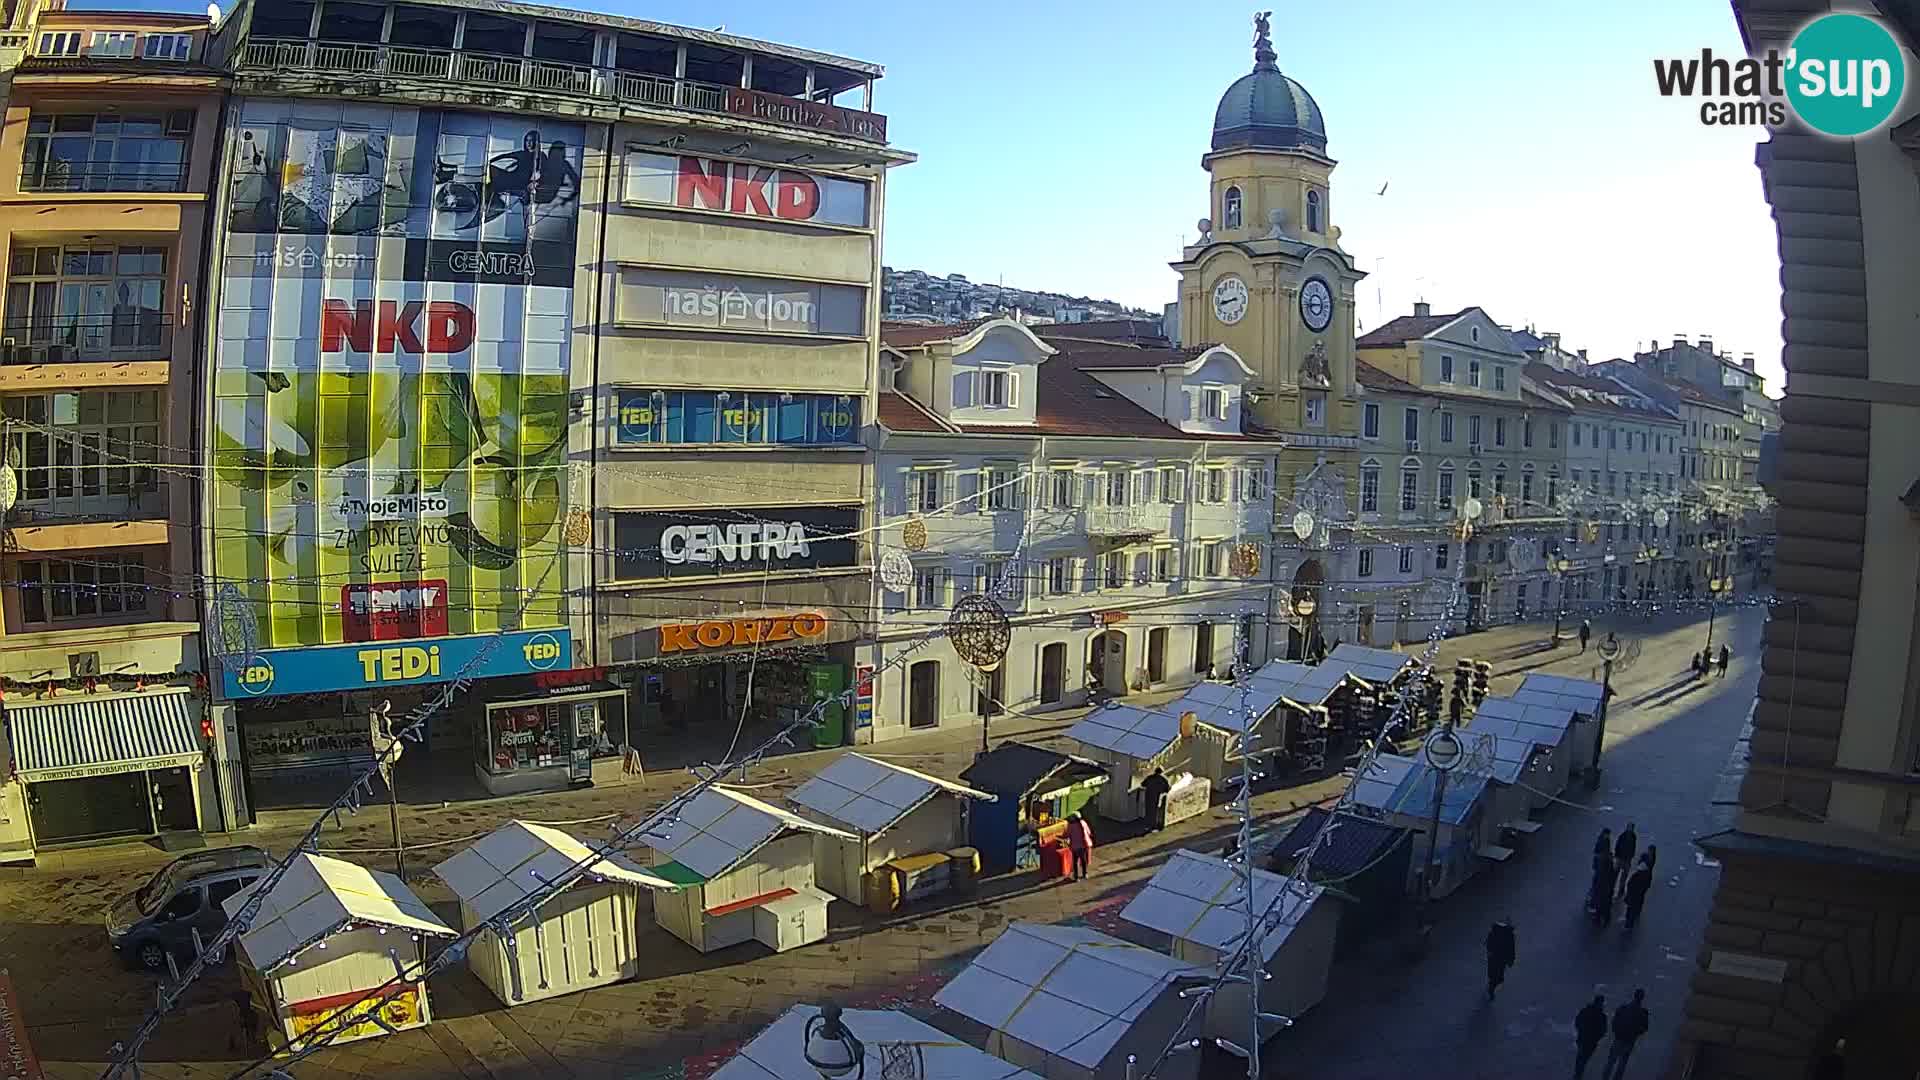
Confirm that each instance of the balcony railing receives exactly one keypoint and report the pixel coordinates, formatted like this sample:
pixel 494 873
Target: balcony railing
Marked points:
pixel 74 494
pixel 59 175
pixel 525 73
pixel 81 339
pixel 1117 521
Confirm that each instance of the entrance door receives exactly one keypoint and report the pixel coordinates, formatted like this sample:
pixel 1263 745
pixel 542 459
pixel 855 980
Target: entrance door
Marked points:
pixel 1115 678
pixel 1245 658
pixel 1203 649
pixel 923 694
pixel 1053 673
pixel 1366 624
pixel 91 808
pixel 990 697
pixel 173 809
pixel 1157 655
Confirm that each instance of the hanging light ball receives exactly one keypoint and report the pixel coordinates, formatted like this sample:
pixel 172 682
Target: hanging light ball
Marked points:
pixel 979 630
pixel 1245 560
pixel 579 529
pixel 913 535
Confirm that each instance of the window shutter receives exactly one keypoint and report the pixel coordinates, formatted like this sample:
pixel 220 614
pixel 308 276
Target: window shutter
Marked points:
pixel 899 492
pixel 969 493
pixel 1236 485
pixel 1179 485
pixel 963 389
pixel 1013 389
pixel 1191 397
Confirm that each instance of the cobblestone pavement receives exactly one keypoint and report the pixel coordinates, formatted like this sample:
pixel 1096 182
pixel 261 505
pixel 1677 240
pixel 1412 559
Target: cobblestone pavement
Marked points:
pixel 687 1012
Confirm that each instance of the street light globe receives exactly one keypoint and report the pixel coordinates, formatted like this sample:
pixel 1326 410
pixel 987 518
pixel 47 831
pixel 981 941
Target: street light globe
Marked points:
pixel 830 1048
pixel 1304 605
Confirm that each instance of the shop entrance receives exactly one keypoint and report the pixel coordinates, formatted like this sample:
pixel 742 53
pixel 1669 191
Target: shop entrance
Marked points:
pixel 1203 650
pixel 91 808
pixel 1157 655
pixel 173 809
pixel 1053 673
pixel 923 694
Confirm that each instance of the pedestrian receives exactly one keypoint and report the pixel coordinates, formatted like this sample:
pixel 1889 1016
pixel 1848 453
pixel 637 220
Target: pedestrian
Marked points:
pixel 1833 1063
pixel 1586 631
pixel 1602 856
pixel 1726 657
pixel 1499 954
pixel 1080 844
pixel 246 1034
pixel 1154 789
pixel 1589 1026
pixel 1635 892
pixel 1694 663
pixel 1649 857
pixel 1623 852
pixel 1604 874
pixel 1629 1023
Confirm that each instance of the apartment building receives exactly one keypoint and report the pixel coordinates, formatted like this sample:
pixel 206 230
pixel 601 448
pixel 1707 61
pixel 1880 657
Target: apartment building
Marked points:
pixel 1454 384
pixel 506 374
pixel 1811 949
pixel 108 154
pixel 1108 496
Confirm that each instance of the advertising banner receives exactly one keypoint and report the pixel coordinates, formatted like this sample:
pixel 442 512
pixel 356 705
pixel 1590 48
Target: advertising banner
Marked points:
pixel 390 375
pixel 272 672
pixel 687 182
pixel 700 301
pixel 735 418
pixel 703 543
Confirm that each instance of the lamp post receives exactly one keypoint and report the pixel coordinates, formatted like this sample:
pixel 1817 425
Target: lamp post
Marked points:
pixel 1304 605
pixel 389 755
pixel 1560 568
pixel 1442 753
pixel 830 1048
pixel 1609 652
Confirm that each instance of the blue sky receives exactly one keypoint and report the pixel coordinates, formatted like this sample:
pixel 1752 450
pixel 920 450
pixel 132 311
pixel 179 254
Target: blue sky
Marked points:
pixel 1532 169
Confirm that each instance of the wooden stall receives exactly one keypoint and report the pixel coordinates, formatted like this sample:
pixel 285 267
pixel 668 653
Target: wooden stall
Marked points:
pixel 329 935
pixel 1581 697
pixel 910 831
pixel 582 937
pixel 1199 903
pixel 743 871
pixel 1071 1003
pixel 1400 791
pixel 1550 727
pixel 1132 742
pixel 1224 716
pixel 1033 789
pixel 1366 860
pixel 896 1044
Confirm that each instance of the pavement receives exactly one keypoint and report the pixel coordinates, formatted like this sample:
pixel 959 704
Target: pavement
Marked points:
pixel 687 1013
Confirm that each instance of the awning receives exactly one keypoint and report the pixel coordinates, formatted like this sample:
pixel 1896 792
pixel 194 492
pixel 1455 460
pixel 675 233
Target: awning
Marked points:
pixel 97 736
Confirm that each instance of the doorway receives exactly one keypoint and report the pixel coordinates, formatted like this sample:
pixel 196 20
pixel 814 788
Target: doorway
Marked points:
pixel 1114 677
pixel 1053 673
pixel 90 808
pixel 1245 658
pixel 1157 655
pixel 173 809
pixel 1366 624
pixel 1203 650
pixel 1403 628
pixel 990 695
pixel 923 694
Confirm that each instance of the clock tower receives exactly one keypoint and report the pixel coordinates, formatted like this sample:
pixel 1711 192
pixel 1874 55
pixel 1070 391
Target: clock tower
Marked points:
pixel 1268 277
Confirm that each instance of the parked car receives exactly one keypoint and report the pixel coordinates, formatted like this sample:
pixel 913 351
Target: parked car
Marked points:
pixel 185 895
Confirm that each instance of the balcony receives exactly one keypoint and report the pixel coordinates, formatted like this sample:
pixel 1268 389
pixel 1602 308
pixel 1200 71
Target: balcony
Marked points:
pixel 1124 522
pixel 56 175
pixel 281 55
pixel 128 337
pixel 108 507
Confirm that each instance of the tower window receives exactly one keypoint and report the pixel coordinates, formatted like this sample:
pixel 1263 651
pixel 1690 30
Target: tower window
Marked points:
pixel 1313 212
pixel 1230 209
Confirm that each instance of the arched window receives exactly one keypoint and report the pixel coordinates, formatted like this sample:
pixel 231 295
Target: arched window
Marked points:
pixel 1443 489
pixel 1313 212
pixel 1370 487
pixel 1526 485
pixel 1230 209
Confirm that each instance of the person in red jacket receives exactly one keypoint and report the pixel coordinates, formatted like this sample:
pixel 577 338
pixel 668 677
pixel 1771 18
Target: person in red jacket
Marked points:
pixel 1079 844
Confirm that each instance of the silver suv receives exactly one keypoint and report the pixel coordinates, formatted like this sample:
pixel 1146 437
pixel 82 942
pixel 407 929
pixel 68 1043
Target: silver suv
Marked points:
pixel 185 895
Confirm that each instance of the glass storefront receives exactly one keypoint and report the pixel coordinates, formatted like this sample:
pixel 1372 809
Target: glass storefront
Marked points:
pixel 553 741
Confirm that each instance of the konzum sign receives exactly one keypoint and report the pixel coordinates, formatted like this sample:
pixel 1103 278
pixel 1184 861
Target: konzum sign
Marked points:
pixel 687 182
pixel 726 633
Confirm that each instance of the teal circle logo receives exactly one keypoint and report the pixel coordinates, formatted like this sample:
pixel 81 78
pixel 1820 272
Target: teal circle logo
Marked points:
pixel 1845 75
pixel 256 675
pixel 542 651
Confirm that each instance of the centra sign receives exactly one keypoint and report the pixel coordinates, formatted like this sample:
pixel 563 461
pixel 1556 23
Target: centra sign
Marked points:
pixel 759 541
pixel 722 633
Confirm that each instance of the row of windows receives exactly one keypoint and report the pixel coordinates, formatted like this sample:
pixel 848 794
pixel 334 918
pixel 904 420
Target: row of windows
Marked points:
pixel 1410 427
pixel 1473 370
pixel 1009 487
pixel 1662 443
pixel 935 585
pixel 117 44
pixel 1442 554
pixel 1233 210
pixel 1443 490
pixel 52 590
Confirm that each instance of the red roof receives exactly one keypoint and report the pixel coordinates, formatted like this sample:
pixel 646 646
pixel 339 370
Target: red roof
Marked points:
pixel 901 413
pixel 913 335
pixel 1069 402
pixel 1404 329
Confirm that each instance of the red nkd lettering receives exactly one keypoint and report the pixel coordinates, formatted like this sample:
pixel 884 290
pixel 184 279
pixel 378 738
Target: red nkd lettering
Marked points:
pixel 362 327
pixel 749 195
pixel 799 197
pixel 697 189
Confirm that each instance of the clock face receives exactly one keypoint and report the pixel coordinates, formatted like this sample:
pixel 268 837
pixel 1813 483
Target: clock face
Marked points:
pixel 1316 304
pixel 1230 299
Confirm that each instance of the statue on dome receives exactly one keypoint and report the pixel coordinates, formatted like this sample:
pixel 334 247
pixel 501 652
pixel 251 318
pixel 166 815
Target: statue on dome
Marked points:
pixel 1263 54
pixel 1314 370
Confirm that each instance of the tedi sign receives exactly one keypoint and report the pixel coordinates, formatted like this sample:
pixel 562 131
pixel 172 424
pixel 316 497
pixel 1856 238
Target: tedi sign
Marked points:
pixel 1843 75
pixel 760 541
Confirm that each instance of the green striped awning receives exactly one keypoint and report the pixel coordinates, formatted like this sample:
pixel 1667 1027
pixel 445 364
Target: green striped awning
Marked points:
pixel 61 740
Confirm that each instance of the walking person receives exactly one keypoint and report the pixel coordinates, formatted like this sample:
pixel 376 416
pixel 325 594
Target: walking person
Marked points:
pixel 1629 1023
pixel 1589 1027
pixel 1079 844
pixel 1602 854
pixel 1500 950
pixel 1623 851
pixel 1649 857
pixel 1154 789
pixel 1726 657
pixel 1635 891
pixel 1605 872
pixel 1586 631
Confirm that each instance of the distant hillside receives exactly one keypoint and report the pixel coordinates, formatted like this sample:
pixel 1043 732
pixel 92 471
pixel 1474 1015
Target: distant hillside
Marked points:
pixel 917 296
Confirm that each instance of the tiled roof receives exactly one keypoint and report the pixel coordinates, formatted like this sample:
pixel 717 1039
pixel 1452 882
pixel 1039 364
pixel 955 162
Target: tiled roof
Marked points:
pixel 1571 382
pixel 1540 401
pixel 913 335
pixel 1089 356
pixel 1404 329
pixel 1142 331
pixel 1376 379
pixel 901 413
pixel 1069 402
pixel 1527 340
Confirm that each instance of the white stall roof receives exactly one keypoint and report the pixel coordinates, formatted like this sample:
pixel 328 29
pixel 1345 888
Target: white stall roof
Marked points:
pixel 317 896
pixel 871 795
pixel 1374 665
pixel 1489 753
pixel 721 827
pixel 1577 695
pixel 512 861
pixel 1069 991
pixel 1298 684
pixel 1227 706
pixel 777 1053
pixel 1202 899
pixel 1124 729
pixel 1375 787
pixel 1544 724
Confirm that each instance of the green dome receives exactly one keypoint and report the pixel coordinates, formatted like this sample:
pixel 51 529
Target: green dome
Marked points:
pixel 1265 110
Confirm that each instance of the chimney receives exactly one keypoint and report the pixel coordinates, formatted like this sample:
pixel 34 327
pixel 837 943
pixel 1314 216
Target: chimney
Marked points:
pixel 1583 356
pixel 1679 340
pixel 1422 309
pixel 1706 345
pixel 1552 340
pixel 1746 360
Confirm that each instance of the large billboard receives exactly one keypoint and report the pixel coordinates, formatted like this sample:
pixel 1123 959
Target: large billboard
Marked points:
pixel 390 375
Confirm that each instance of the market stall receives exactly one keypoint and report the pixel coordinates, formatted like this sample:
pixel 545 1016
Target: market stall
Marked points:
pixel 1224 715
pixel 909 831
pixel 1034 789
pixel 581 937
pixel 1400 791
pixel 889 1038
pixel 1132 743
pixel 1367 860
pixel 1199 902
pixel 329 935
pixel 1071 1003
pixel 743 871
pixel 1379 668
pixel 1582 698
pixel 1550 727
pixel 1512 764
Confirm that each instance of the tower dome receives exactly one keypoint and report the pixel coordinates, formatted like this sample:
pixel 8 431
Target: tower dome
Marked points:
pixel 1265 110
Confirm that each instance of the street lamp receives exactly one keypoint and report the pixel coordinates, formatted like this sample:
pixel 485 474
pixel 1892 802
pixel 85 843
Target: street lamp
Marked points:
pixel 1304 605
pixel 831 1049
pixel 1560 569
pixel 1609 652
pixel 1442 752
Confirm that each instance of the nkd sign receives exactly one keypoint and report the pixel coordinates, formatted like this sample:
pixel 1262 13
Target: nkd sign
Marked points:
pixel 749 190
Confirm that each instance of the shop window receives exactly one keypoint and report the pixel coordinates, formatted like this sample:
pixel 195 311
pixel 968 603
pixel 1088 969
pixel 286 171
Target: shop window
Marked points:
pixel 735 418
pixel 52 590
pixel 524 737
pixel 89 303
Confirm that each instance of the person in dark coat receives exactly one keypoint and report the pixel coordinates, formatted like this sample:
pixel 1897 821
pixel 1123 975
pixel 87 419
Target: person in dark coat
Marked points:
pixel 1586 632
pixel 1650 857
pixel 1154 789
pixel 1605 872
pixel 1629 1023
pixel 1500 950
pixel 1635 892
pixel 1726 657
pixel 1589 1027
pixel 1602 853
pixel 1624 850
